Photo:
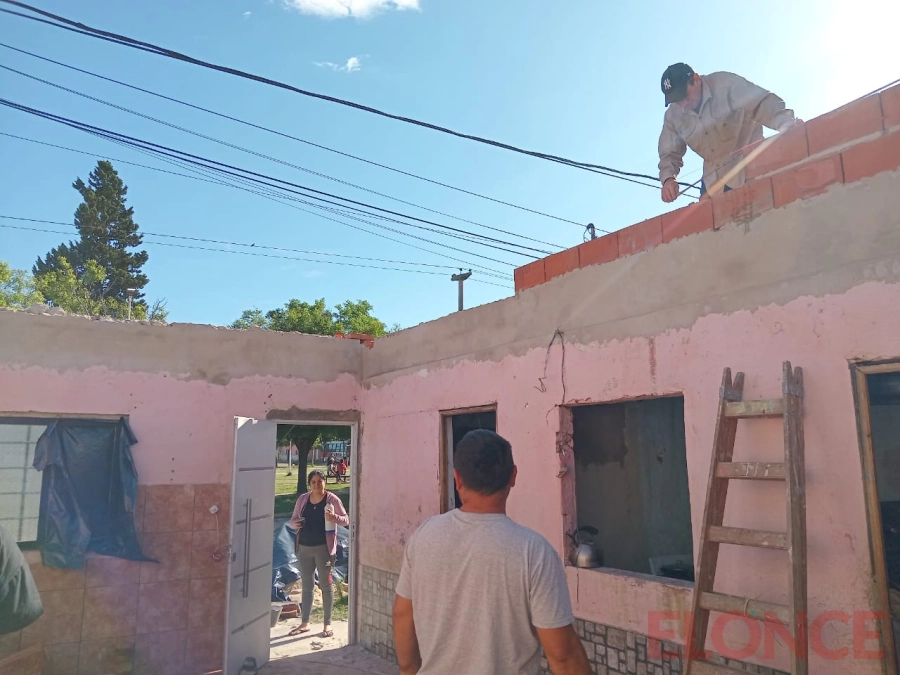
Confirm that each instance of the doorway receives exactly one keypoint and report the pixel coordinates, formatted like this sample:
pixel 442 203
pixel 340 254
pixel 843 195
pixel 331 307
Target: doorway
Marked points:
pixel 261 558
pixel 454 425
pixel 877 388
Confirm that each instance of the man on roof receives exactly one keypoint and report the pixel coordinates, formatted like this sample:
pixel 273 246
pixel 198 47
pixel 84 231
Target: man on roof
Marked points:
pixel 716 116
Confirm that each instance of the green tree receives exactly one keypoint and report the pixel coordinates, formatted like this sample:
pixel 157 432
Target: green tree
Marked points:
pixel 17 288
pixel 304 437
pixel 316 319
pixel 72 291
pixel 108 235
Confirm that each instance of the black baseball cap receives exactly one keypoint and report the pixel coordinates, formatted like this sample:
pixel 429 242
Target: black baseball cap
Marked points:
pixel 675 81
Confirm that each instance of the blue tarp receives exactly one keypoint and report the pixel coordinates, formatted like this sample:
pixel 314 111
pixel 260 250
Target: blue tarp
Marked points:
pixel 284 561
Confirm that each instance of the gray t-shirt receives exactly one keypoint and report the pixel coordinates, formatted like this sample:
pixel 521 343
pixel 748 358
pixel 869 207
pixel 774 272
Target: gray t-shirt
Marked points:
pixel 480 584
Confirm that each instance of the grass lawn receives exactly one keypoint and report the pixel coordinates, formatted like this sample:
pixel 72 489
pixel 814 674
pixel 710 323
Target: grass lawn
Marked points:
pixel 286 491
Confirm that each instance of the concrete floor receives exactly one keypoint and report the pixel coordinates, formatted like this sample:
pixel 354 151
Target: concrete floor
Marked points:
pixel 312 654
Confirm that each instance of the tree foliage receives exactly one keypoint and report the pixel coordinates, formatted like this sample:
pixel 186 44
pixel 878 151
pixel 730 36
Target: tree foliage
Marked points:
pixel 102 263
pixel 65 288
pixel 304 437
pixel 316 319
pixel 17 288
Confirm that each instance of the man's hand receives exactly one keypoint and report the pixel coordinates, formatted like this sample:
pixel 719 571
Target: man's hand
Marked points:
pixel 669 190
pixel 405 642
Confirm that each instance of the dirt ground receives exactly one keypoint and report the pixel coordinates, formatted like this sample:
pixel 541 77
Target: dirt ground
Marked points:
pixel 312 654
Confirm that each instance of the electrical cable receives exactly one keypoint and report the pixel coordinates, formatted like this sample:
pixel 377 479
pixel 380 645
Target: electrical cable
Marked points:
pixel 294 138
pixel 237 243
pixel 285 163
pixel 250 175
pixel 256 126
pixel 489 271
pixel 261 255
pixel 83 29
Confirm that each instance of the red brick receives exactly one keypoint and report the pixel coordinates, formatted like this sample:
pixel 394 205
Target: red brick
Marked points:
pixel 787 148
pixel 600 250
pixel 689 220
pixel 743 203
pixel 873 157
pixel 640 237
pixel 813 178
pixel 561 263
pixel 529 275
pixel 890 106
pixel 843 125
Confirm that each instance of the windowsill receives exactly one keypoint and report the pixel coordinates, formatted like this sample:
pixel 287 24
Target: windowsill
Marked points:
pixel 663 581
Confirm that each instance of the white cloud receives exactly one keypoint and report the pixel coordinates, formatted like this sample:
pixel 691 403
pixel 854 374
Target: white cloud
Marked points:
pixel 353 65
pixel 341 9
pixel 247 14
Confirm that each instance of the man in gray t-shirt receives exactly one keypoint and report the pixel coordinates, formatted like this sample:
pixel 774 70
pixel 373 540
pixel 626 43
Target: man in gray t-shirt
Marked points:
pixel 478 593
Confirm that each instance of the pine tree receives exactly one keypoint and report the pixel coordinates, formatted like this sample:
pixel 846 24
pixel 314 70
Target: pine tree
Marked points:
pixel 108 233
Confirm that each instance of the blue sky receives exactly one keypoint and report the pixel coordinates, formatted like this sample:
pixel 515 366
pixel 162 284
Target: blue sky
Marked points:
pixel 578 79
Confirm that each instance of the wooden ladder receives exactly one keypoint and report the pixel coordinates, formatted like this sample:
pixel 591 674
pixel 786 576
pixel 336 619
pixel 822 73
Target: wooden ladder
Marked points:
pixel 793 615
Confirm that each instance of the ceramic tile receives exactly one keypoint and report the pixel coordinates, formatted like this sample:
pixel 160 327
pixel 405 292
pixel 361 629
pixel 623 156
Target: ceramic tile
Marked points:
pixel 169 508
pixel 172 550
pixel 55 578
pixel 163 606
pixel 62 659
pixel 207 605
pixel 207 495
pixel 160 653
pixel 203 545
pixel 61 620
pixel 105 570
pixel 204 649
pixel 9 644
pixel 109 611
pixel 109 655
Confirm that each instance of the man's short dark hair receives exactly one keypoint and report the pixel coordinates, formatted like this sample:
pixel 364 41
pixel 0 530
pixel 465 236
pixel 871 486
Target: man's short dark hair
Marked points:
pixel 484 461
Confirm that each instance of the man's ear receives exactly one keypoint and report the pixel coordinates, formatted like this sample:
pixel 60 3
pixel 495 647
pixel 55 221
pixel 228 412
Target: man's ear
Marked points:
pixel 512 480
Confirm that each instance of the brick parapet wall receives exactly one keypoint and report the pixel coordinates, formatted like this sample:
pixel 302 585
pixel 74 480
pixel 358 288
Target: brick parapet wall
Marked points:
pixel 857 141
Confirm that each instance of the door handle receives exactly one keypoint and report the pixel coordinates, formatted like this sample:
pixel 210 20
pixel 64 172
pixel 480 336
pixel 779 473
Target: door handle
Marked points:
pixel 246 589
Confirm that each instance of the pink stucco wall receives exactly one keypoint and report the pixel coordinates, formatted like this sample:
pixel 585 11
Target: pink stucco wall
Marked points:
pixel 821 335
pixel 816 283
pixel 181 410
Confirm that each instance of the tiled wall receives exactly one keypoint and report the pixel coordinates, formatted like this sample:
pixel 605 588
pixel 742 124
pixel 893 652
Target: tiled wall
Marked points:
pixel 376 626
pixel 610 650
pixel 140 618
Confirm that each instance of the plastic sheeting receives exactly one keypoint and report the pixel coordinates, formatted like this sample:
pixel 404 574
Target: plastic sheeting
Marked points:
pixel 88 492
pixel 284 560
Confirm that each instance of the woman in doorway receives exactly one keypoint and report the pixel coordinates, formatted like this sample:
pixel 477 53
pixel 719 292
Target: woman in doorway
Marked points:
pixel 316 515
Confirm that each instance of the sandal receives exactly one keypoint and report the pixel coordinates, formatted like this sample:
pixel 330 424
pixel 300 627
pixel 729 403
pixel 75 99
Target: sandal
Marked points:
pixel 327 633
pixel 298 630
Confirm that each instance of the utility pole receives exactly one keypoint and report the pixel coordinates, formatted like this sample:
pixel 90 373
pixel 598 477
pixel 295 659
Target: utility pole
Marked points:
pixel 130 293
pixel 461 278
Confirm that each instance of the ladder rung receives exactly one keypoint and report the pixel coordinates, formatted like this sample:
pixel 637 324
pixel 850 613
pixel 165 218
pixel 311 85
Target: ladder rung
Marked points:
pixel 773 407
pixel 751 470
pixel 744 537
pixel 709 668
pixel 732 604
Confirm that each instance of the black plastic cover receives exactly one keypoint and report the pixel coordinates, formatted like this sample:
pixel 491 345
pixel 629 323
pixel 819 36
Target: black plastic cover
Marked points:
pixel 88 492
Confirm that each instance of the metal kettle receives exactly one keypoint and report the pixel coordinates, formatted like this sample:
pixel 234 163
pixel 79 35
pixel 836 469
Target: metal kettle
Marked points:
pixel 587 554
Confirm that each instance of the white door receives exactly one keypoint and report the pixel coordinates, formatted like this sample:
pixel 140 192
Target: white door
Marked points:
pixel 252 526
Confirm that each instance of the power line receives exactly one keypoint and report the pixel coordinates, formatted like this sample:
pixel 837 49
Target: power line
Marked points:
pixel 293 138
pixel 257 177
pixel 285 163
pixel 253 253
pixel 289 164
pixel 253 245
pixel 83 29
pixel 270 195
